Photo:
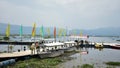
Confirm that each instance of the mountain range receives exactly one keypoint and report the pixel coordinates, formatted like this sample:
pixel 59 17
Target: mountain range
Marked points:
pixel 108 31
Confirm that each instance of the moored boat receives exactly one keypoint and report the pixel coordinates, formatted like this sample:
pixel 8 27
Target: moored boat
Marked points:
pixel 52 49
pixel 116 46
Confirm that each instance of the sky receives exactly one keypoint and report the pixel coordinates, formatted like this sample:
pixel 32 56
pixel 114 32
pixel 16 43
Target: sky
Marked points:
pixel 73 14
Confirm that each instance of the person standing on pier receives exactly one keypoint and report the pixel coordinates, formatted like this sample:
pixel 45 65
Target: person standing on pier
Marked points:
pixel 37 47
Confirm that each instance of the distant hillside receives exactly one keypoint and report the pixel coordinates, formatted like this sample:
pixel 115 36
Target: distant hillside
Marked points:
pixel 14 29
pixel 110 31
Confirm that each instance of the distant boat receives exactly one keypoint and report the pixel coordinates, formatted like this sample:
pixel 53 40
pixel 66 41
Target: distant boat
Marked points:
pixel 116 46
pixel 118 40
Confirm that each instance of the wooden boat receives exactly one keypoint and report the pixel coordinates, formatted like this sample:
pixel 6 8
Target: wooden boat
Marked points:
pixel 116 46
pixel 52 49
pixel 52 53
pixel 99 45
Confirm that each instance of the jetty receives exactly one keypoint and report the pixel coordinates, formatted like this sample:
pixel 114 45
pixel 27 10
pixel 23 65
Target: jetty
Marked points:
pixel 48 49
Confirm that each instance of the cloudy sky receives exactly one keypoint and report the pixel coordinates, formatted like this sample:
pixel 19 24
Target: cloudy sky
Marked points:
pixel 81 14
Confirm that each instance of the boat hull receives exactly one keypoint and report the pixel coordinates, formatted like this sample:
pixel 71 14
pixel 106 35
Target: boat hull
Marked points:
pixel 115 46
pixel 50 54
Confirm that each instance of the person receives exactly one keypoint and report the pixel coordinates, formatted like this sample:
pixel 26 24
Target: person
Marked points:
pixel 33 48
pixel 37 47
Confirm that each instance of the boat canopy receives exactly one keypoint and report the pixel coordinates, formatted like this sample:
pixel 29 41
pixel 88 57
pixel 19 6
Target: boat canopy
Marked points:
pixel 69 42
pixel 54 44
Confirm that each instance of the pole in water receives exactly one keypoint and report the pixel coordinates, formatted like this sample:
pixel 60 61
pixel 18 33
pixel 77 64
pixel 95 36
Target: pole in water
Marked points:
pixel 21 42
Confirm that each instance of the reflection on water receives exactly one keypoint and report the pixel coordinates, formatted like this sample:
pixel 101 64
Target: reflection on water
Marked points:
pixel 96 57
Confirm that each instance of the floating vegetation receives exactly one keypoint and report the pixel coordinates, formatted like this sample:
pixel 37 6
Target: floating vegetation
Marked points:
pixel 110 67
pixel 38 63
pixel 113 63
pixel 87 66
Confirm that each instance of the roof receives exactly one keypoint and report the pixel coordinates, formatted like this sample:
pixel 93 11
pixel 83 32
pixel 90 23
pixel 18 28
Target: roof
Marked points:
pixel 54 44
pixel 70 42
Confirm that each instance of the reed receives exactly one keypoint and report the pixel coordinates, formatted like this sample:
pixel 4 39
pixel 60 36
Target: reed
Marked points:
pixel 113 63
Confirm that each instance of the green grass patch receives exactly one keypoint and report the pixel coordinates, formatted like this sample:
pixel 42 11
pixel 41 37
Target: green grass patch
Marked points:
pixel 110 67
pixel 87 66
pixel 38 63
pixel 113 63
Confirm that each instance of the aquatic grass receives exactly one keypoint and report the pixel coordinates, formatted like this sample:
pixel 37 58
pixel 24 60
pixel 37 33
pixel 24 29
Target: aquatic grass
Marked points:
pixel 113 63
pixel 110 67
pixel 87 66
pixel 38 63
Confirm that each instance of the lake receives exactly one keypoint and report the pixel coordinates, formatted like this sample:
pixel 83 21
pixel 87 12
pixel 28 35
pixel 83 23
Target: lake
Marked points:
pixel 96 57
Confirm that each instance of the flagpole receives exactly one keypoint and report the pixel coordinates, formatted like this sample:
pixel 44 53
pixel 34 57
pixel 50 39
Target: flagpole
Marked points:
pixel 8 46
pixel 34 33
pixel 21 35
pixel 21 42
pixel 55 33
pixel 7 35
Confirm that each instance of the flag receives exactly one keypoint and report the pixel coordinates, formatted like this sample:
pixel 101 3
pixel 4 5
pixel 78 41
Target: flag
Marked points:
pixel 34 30
pixel 54 32
pixel 48 31
pixel 74 32
pixel 21 30
pixel 64 33
pixel 42 31
pixel 8 30
pixel 81 33
pixel 60 33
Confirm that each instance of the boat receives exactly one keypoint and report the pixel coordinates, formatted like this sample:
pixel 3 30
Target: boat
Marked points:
pixel 118 40
pixel 51 54
pixel 52 49
pixel 116 46
pixel 99 45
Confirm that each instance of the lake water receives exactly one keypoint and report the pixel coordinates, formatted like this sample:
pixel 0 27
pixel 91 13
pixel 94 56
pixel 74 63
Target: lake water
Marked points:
pixel 94 57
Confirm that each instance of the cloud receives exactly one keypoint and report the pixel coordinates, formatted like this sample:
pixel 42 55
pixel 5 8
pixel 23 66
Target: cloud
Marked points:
pixel 83 14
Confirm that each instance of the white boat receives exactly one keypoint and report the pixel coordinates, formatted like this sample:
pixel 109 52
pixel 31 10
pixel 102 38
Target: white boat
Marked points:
pixel 52 49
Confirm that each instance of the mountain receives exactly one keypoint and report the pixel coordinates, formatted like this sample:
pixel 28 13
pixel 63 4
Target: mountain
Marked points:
pixel 14 29
pixel 108 31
